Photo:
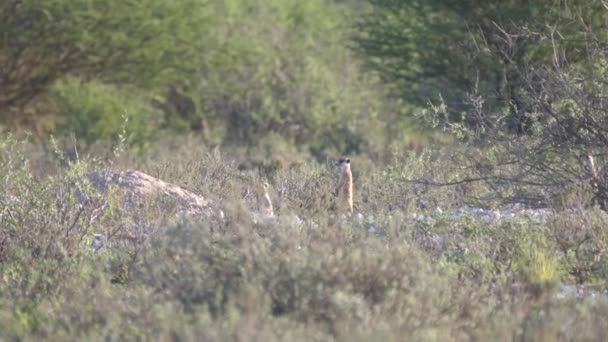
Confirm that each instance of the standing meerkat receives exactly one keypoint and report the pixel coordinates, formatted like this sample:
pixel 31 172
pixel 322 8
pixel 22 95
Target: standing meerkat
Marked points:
pixel 266 203
pixel 344 191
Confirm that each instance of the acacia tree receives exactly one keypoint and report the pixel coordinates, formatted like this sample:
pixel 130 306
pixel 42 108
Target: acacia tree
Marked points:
pixel 566 138
pixel 456 48
pixel 138 42
pixel 523 80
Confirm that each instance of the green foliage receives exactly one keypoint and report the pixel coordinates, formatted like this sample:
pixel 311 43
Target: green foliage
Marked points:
pixel 561 145
pixel 473 52
pixel 284 67
pixel 44 217
pixel 95 112
pixel 230 72
pixel 422 275
pixel 141 43
pixel 275 83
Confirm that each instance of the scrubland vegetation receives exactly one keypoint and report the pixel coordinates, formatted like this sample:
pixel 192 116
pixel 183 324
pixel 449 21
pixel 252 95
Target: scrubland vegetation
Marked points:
pixel 441 106
pixel 420 275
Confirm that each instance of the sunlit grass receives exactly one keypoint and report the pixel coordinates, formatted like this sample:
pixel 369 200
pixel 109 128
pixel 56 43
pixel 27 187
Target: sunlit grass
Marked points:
pixel 420 274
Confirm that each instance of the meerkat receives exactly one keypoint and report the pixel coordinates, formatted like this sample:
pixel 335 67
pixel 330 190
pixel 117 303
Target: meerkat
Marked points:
pixel 266 203
pixel 344 191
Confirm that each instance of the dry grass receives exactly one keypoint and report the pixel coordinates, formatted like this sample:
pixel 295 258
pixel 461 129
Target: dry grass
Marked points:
pixel 424 276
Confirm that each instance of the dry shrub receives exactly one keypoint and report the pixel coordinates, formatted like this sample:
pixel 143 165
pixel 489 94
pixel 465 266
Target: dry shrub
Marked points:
pixel 421 274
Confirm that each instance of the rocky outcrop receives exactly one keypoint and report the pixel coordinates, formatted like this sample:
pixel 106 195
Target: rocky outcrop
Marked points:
pixel 136 188
pixel 132 191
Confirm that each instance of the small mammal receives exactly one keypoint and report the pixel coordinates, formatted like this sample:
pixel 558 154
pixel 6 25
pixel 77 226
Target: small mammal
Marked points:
pixel 344 191
pixel 266 203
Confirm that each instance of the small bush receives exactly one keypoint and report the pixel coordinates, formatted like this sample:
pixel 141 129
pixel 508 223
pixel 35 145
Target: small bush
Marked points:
pixel 94 111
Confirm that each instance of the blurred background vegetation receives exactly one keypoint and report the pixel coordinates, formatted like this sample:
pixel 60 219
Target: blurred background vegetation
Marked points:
pixel 281 81
pixel 320 78
pixel 444 106
pixel 232 73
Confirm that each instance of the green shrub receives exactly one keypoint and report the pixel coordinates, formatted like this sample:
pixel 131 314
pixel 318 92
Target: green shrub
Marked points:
pixel 423 275
pixel 284 67
pixel 128 43
pixel 94 111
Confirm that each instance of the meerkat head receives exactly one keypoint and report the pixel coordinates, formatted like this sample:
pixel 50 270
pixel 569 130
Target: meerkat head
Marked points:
pixel 265 186
pixel 344 163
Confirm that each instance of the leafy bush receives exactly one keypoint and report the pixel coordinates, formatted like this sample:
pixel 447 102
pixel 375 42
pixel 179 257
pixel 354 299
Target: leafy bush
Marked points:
pixel 94 112
pixel 132 43
pixel 230 72
pixel 284 67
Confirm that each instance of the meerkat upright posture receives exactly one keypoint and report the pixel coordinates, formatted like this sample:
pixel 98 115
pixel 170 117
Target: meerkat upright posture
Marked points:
pixel 266 203
pixel 344 191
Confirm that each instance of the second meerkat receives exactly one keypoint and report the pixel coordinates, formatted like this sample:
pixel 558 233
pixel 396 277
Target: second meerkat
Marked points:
pixel 266 202
pixel 344 190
